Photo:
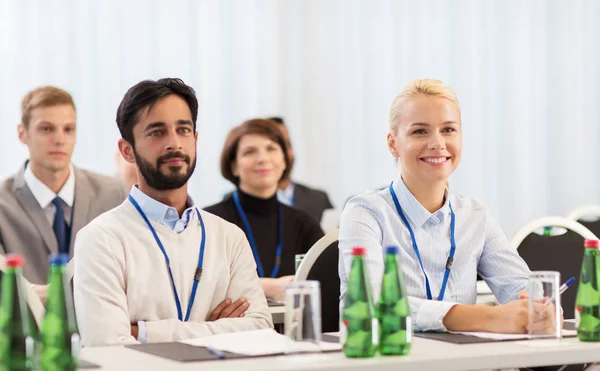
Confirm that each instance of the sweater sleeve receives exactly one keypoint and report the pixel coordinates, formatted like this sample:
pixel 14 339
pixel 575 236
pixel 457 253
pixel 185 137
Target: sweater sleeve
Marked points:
pixel 243 283
pixel 99 290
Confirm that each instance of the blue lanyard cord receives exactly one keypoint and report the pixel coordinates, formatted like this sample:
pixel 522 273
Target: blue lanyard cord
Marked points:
pixel 416 247
pixel 259 267
pixel 198 273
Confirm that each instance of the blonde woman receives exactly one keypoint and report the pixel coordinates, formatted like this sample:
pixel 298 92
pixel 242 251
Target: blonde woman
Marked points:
pixel 444 239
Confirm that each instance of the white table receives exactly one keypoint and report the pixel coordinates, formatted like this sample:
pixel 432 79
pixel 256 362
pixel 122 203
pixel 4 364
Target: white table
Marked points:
pixel 425 355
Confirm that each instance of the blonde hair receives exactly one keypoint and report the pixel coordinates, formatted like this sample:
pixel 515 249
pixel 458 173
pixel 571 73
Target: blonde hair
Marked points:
pixel 45 96
pixel 429 87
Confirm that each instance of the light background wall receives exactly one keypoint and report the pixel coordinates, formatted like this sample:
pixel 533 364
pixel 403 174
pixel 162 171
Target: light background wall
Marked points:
pixel 526 74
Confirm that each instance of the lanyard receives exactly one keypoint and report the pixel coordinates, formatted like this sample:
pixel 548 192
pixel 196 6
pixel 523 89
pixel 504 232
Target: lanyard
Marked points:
pixel 416 248
pixel 259 267
pixel 162 249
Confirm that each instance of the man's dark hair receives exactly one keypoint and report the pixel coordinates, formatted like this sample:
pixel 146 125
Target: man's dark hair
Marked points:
pixel 144 95
pixel 277 119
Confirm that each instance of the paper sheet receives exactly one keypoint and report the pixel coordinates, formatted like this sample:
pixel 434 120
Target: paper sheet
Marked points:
pixel 495 336
pixel 258 342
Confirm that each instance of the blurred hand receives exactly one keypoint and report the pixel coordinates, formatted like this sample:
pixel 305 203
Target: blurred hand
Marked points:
pixel 275 287
pixel 227 309
pixel 523 295
pixel 41 291
pixel 134 331
pixel 543 318
pixel 544 323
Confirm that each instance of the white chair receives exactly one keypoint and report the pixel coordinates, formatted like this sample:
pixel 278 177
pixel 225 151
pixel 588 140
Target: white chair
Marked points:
pixel 321 264
pixel 584 211
pixel 549 221
pixel 313 254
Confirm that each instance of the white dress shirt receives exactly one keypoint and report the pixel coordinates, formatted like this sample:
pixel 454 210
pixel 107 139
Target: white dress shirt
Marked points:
pixel 371 220
pixel 286 196
pixel 161 213
pixel 45 195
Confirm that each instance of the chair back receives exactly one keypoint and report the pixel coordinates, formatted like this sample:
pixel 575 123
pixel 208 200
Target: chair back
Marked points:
pixel 321 264
pixel 562 253
pixel 588 216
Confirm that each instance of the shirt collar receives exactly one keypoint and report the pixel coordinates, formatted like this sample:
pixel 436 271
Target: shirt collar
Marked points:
pixel 286 196
pixel 413 209
pixel 159 212
pixel 43 194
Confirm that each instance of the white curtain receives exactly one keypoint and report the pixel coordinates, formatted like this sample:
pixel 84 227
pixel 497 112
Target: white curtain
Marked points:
pixel 526 74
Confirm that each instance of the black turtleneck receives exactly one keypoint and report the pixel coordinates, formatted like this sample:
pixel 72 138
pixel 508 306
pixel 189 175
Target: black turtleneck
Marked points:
pixel 300 231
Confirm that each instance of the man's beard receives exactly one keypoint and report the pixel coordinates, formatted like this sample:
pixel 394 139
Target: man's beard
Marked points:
pixel 159 181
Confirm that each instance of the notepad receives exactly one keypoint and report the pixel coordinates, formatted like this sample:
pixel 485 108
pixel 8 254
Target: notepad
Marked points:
pixel 259 343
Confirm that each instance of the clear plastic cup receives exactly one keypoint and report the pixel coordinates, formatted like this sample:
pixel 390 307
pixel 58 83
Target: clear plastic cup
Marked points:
pixel 302 323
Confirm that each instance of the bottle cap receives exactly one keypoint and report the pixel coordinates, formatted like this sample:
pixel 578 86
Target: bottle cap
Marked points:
pixel 391 250
pixel 59 259
pixel 14 260
pixel 591 243
pixel 359 251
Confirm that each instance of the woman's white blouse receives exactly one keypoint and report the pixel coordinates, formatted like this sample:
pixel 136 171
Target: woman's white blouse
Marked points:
pixel 371 220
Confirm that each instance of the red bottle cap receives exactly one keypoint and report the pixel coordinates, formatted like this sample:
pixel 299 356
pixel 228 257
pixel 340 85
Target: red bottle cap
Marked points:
pixel 14 260
pixel 359 250
pixel 591 244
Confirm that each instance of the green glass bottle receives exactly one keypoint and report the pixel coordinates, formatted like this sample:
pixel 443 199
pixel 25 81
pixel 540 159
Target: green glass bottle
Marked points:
pixel 588 294
pixel 394 311
pixel 60 338
pixel 16 327
pixel 359 327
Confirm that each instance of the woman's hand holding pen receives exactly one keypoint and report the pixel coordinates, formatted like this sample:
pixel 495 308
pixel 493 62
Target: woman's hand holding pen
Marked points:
pixel 543 316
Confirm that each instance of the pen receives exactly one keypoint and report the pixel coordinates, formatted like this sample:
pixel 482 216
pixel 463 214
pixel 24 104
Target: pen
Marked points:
pixel 561 289
pixel 219 354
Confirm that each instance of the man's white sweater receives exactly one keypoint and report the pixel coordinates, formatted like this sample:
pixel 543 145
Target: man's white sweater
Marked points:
pixel 121 278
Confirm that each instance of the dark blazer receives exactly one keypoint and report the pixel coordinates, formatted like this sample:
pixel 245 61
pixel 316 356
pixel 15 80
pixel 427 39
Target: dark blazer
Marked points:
pixel 312 201
pixel 25 230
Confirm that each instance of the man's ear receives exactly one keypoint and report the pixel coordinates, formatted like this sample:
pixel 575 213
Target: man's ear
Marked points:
pixel 126 150
pixel 22 131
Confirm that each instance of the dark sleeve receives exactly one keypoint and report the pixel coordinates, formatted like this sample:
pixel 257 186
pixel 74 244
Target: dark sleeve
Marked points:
pixel 311 232
pixel 227 195
pixel 219 209
pixel 213 209
pixel 327 201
